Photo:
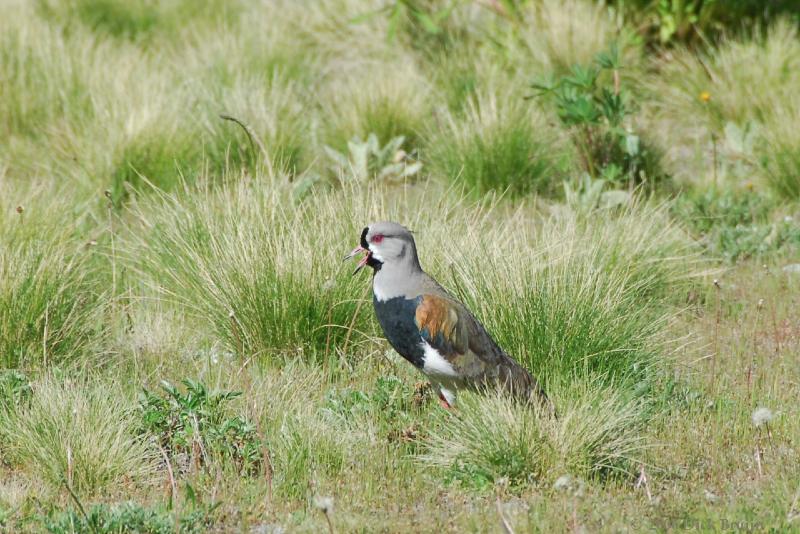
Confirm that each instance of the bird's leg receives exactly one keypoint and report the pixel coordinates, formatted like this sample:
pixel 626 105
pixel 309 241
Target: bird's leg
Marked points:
pixel 443 402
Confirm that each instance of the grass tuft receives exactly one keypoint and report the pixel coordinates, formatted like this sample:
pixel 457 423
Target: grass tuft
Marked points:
pixel 275 289
pixel 501 143
pixel 487 439
pixel 703 105
pixel 781 160
pixel 584 296
pixel 76 433
pixel 492 440
pixel 50 301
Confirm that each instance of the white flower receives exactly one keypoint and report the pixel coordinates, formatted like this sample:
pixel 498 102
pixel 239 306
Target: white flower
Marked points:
pixel 762 416
pixel 324 503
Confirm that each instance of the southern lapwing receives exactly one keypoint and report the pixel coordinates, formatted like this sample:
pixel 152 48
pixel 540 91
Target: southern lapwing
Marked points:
pixel 429 327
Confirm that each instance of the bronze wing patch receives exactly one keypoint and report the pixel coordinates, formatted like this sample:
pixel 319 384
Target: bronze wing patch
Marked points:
pixel 438 322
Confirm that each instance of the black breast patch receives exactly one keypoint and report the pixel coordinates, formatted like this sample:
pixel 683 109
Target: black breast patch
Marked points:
pixel 396 317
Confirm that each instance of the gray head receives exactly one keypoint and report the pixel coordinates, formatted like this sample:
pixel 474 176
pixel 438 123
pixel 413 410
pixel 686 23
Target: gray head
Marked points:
pixel 387 244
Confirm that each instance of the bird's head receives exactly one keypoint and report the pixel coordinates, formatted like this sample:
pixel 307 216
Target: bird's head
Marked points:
pixel 385 243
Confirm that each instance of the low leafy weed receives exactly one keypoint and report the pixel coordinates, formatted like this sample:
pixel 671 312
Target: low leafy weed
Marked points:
pixel 736 225
pixel 15 389
pixel 195 425
pixel 125 517
pixel 364 160
pixel 391 397
pixel 597 108
pixel 391 404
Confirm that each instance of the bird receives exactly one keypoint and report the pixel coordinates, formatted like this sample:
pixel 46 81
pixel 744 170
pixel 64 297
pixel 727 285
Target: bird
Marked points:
pixel 432 329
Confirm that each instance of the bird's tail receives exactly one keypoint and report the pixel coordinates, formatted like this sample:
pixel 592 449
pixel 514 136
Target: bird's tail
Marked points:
pixel 536 394
pixel 525 388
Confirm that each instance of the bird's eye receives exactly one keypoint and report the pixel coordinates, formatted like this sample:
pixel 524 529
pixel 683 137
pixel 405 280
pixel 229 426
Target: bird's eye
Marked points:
pixel 377 238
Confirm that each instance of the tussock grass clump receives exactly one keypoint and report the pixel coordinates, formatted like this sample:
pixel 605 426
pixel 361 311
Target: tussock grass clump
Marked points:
pixel 599 432
pixel 500 143
pixel 387 102
pixel 558 34
pixel 50 302
pixel 745 79
pixel 339 32
pixel 704 103
pixel 41 83
pixel 487 439
pixel 138 21
pixel 583 296
pixel 306 447
pixel 491 439
pixel 580 292
pixel 781 163
pixel 267 274
pixel 81 433
pixel 303 446
pixel 158 117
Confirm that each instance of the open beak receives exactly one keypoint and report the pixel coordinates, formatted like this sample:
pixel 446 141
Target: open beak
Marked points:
pixel 363 260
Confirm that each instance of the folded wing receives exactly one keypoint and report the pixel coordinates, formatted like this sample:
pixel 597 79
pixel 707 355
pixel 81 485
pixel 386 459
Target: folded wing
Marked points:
pixel 449 328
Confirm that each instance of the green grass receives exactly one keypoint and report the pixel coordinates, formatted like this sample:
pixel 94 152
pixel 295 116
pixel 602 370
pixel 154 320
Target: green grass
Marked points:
pixel 501 143
pixel 125 517
pixel 140 22
pixel 597 435
pixel 77 434
pixel 586 296
pixel 738 224
pixel 749 82
pixel 386 103
pixel 187 252
pixel 51 297
pixel 657 325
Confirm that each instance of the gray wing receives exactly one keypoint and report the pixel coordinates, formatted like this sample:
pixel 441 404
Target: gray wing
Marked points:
pixel 453 331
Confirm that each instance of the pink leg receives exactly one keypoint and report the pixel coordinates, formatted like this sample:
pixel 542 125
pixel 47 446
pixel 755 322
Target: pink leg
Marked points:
pixel 443 401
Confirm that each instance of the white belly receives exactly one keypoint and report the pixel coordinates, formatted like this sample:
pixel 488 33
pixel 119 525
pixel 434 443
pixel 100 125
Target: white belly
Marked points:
pixel 435 364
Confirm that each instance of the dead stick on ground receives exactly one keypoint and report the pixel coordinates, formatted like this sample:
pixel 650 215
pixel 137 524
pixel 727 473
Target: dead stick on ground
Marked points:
pixel 503 521
pixel 75 498
pixel 173 484
pixel 643 482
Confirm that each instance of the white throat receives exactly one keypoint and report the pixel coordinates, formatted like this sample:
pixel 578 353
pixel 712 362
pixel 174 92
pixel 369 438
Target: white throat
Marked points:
pixel 395 280
pixel 384 288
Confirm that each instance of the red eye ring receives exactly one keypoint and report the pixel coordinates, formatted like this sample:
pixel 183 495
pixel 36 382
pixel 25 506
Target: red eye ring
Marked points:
pixel 377 238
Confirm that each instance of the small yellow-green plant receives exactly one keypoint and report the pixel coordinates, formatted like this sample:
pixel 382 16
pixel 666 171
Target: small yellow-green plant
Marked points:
pixel 598 110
